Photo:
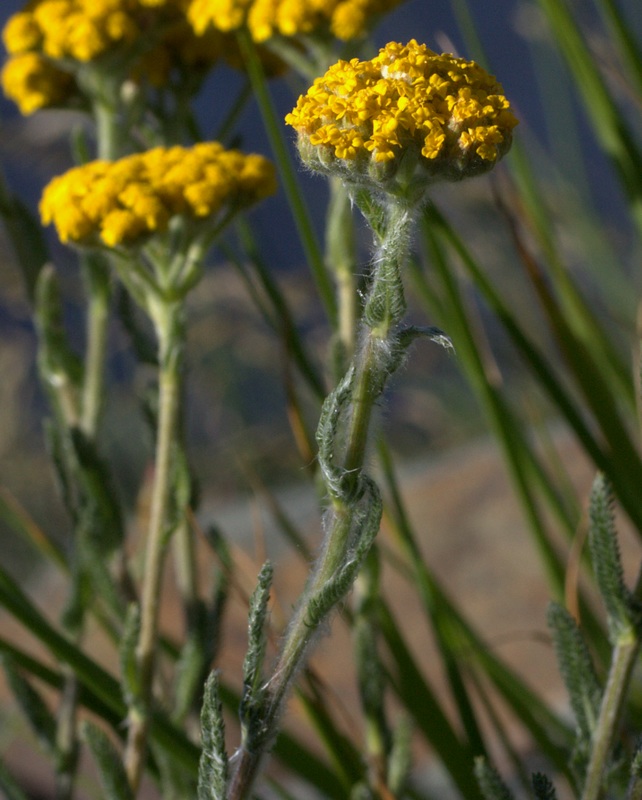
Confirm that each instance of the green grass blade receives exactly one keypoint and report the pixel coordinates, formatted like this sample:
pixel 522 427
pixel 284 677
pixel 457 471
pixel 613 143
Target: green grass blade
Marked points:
pixel 617 468
pixel 103 685
pixel 523 467
pixel 285 324
pixel 21 522
pixel 543 725
pixel 346 758
pixel 624 39
pixel 274 129
pixel 423 706
pixel 580 319
pixel 610 127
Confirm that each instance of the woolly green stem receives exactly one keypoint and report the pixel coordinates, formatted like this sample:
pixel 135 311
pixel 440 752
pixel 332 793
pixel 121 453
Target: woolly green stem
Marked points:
pixel 340 256
pixel 167 318
pixel 99 291
pixel 108 125
pixel 623 660
pixel 374 360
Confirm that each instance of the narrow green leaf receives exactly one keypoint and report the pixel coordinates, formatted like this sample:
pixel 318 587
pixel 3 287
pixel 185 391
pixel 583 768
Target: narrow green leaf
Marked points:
pixel 40 718
pixel 620 470
pixel 400 758
pixel 577 670
pixel 421 703
pixel 213 764
pixel 26 237
pixel 605 557
pixel 103 685
pixel 252 704
pixel 623 34
pixel 346 758
pixel 111 771
pixel 20 521
pixel 491 785
pixel 55 680
pixel 547 730
pixel 634 791
pixel 60 367
pixel 370 672
pixel 174 781
pixel 142 340
pixel 611 128
pixel 101 513
pixel 365 521
pixel 282 319
pixel 191 664
pixel 457 636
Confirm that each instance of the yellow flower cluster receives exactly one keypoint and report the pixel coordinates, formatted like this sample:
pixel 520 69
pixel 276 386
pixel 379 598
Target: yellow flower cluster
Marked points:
pixel 51 38
pixel 444 115
pixel 123 202
pixel 346 19
pixel 81 30
pixel 48 38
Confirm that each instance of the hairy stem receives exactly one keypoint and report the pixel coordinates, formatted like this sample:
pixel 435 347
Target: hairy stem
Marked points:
pixel 623 660
pixel 99 291
pixel 340 256
pixel 167 319
pixel 372 364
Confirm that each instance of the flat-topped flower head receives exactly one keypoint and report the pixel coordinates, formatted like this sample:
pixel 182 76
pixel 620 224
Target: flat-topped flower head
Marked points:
pixel 407 118
pixel 124 202
pixel 345 19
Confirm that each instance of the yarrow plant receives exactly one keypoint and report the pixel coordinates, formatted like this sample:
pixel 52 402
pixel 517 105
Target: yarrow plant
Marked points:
pixel 145 203
pixel 128 205
pixel 425 118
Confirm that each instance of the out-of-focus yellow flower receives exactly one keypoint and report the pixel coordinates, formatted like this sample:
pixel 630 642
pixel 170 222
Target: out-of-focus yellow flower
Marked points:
pixel 78 29
pixel 346 19
pixel 123 202
pixel 435 117
pixel 151 39
pixel 33 82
